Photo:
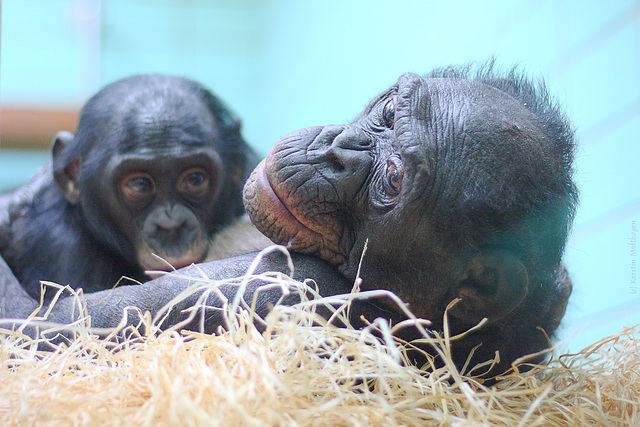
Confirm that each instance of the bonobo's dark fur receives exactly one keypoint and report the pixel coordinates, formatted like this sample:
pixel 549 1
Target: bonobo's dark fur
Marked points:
pixel 156 167
pixel 460 185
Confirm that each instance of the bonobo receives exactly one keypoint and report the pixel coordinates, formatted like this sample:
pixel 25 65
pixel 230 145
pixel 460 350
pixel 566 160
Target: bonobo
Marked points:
pixel 155 167
pixel 461 187
pixel 459 184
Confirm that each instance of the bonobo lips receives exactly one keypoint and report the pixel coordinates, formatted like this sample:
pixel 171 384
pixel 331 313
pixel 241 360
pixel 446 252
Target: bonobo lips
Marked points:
pixel 272 205
pixel 271 216
pixel 162 262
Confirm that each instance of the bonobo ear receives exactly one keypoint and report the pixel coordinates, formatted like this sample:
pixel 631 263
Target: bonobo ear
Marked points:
pixel 64 171
pixel 496 282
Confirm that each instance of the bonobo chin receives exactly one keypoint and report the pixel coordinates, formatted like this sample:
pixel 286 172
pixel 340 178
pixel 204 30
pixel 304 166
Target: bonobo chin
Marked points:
pixel 459 184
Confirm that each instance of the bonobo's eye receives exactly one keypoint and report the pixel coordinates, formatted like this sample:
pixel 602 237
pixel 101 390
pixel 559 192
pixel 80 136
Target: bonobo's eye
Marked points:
pixel 137 187
pixel 393 176
pixel 194 182
pixel 389 112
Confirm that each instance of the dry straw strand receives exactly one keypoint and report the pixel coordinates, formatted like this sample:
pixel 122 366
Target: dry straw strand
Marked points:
pixel 294 368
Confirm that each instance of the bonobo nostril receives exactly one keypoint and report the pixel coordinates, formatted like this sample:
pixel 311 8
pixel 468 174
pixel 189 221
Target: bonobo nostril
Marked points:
pixel 333 160
pixel 343 149
pixel 363 141
pixel 171 227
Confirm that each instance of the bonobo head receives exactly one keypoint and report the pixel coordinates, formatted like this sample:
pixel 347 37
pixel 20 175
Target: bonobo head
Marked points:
pixel 462 186
pixel 156 164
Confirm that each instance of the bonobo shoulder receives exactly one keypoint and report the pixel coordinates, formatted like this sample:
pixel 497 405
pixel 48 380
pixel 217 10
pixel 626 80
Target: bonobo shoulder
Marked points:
pixel 16 201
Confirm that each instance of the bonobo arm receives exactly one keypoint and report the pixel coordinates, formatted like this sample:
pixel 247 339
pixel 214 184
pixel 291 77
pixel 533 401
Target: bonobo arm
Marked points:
pixel 14 301
pixel 107 308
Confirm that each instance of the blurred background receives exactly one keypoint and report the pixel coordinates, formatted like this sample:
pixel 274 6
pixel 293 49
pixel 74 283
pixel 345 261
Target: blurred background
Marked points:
pixel 286 64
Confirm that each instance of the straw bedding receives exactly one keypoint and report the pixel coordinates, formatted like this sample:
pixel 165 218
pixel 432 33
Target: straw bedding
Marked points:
pixel 293 369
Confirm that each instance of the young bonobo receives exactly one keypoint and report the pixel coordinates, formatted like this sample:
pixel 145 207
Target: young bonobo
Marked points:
pixel 460 183
pixel 155 168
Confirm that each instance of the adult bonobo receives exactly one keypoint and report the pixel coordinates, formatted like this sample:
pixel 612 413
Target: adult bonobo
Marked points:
pixel 462 186
pixel 155 168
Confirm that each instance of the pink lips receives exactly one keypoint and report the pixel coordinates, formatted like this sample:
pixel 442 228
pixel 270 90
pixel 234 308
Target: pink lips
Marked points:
pixel 295 227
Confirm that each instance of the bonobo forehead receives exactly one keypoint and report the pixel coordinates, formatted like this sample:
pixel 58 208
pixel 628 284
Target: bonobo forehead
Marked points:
pixel 434 112
pixel 166 121
pixel 469 139
pixel 153 113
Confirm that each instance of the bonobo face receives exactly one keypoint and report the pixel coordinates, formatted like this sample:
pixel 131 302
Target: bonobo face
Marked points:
pixel 160 187
pixel 152 171
pixel 164 204
pixel 439 175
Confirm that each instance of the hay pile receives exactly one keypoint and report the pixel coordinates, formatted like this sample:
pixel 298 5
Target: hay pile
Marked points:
pixel 300 372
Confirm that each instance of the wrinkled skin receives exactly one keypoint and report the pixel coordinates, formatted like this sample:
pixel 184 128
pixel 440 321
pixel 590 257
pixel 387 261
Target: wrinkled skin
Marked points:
pixel 461 189
pixel 458 168
pixel 155 168
pixel 460 186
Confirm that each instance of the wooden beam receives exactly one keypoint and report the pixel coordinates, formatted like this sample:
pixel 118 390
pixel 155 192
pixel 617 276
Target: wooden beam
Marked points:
pixel 33 128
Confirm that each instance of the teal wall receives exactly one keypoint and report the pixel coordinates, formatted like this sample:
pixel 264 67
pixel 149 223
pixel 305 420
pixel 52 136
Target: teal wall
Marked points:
pixel 286 64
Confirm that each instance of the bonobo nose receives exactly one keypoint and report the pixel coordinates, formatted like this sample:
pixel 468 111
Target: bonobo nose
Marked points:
pixel 171 226
pixel 347 137
pixel 342 153
pixel 341 147
pixel 170 219
pixel 171 233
